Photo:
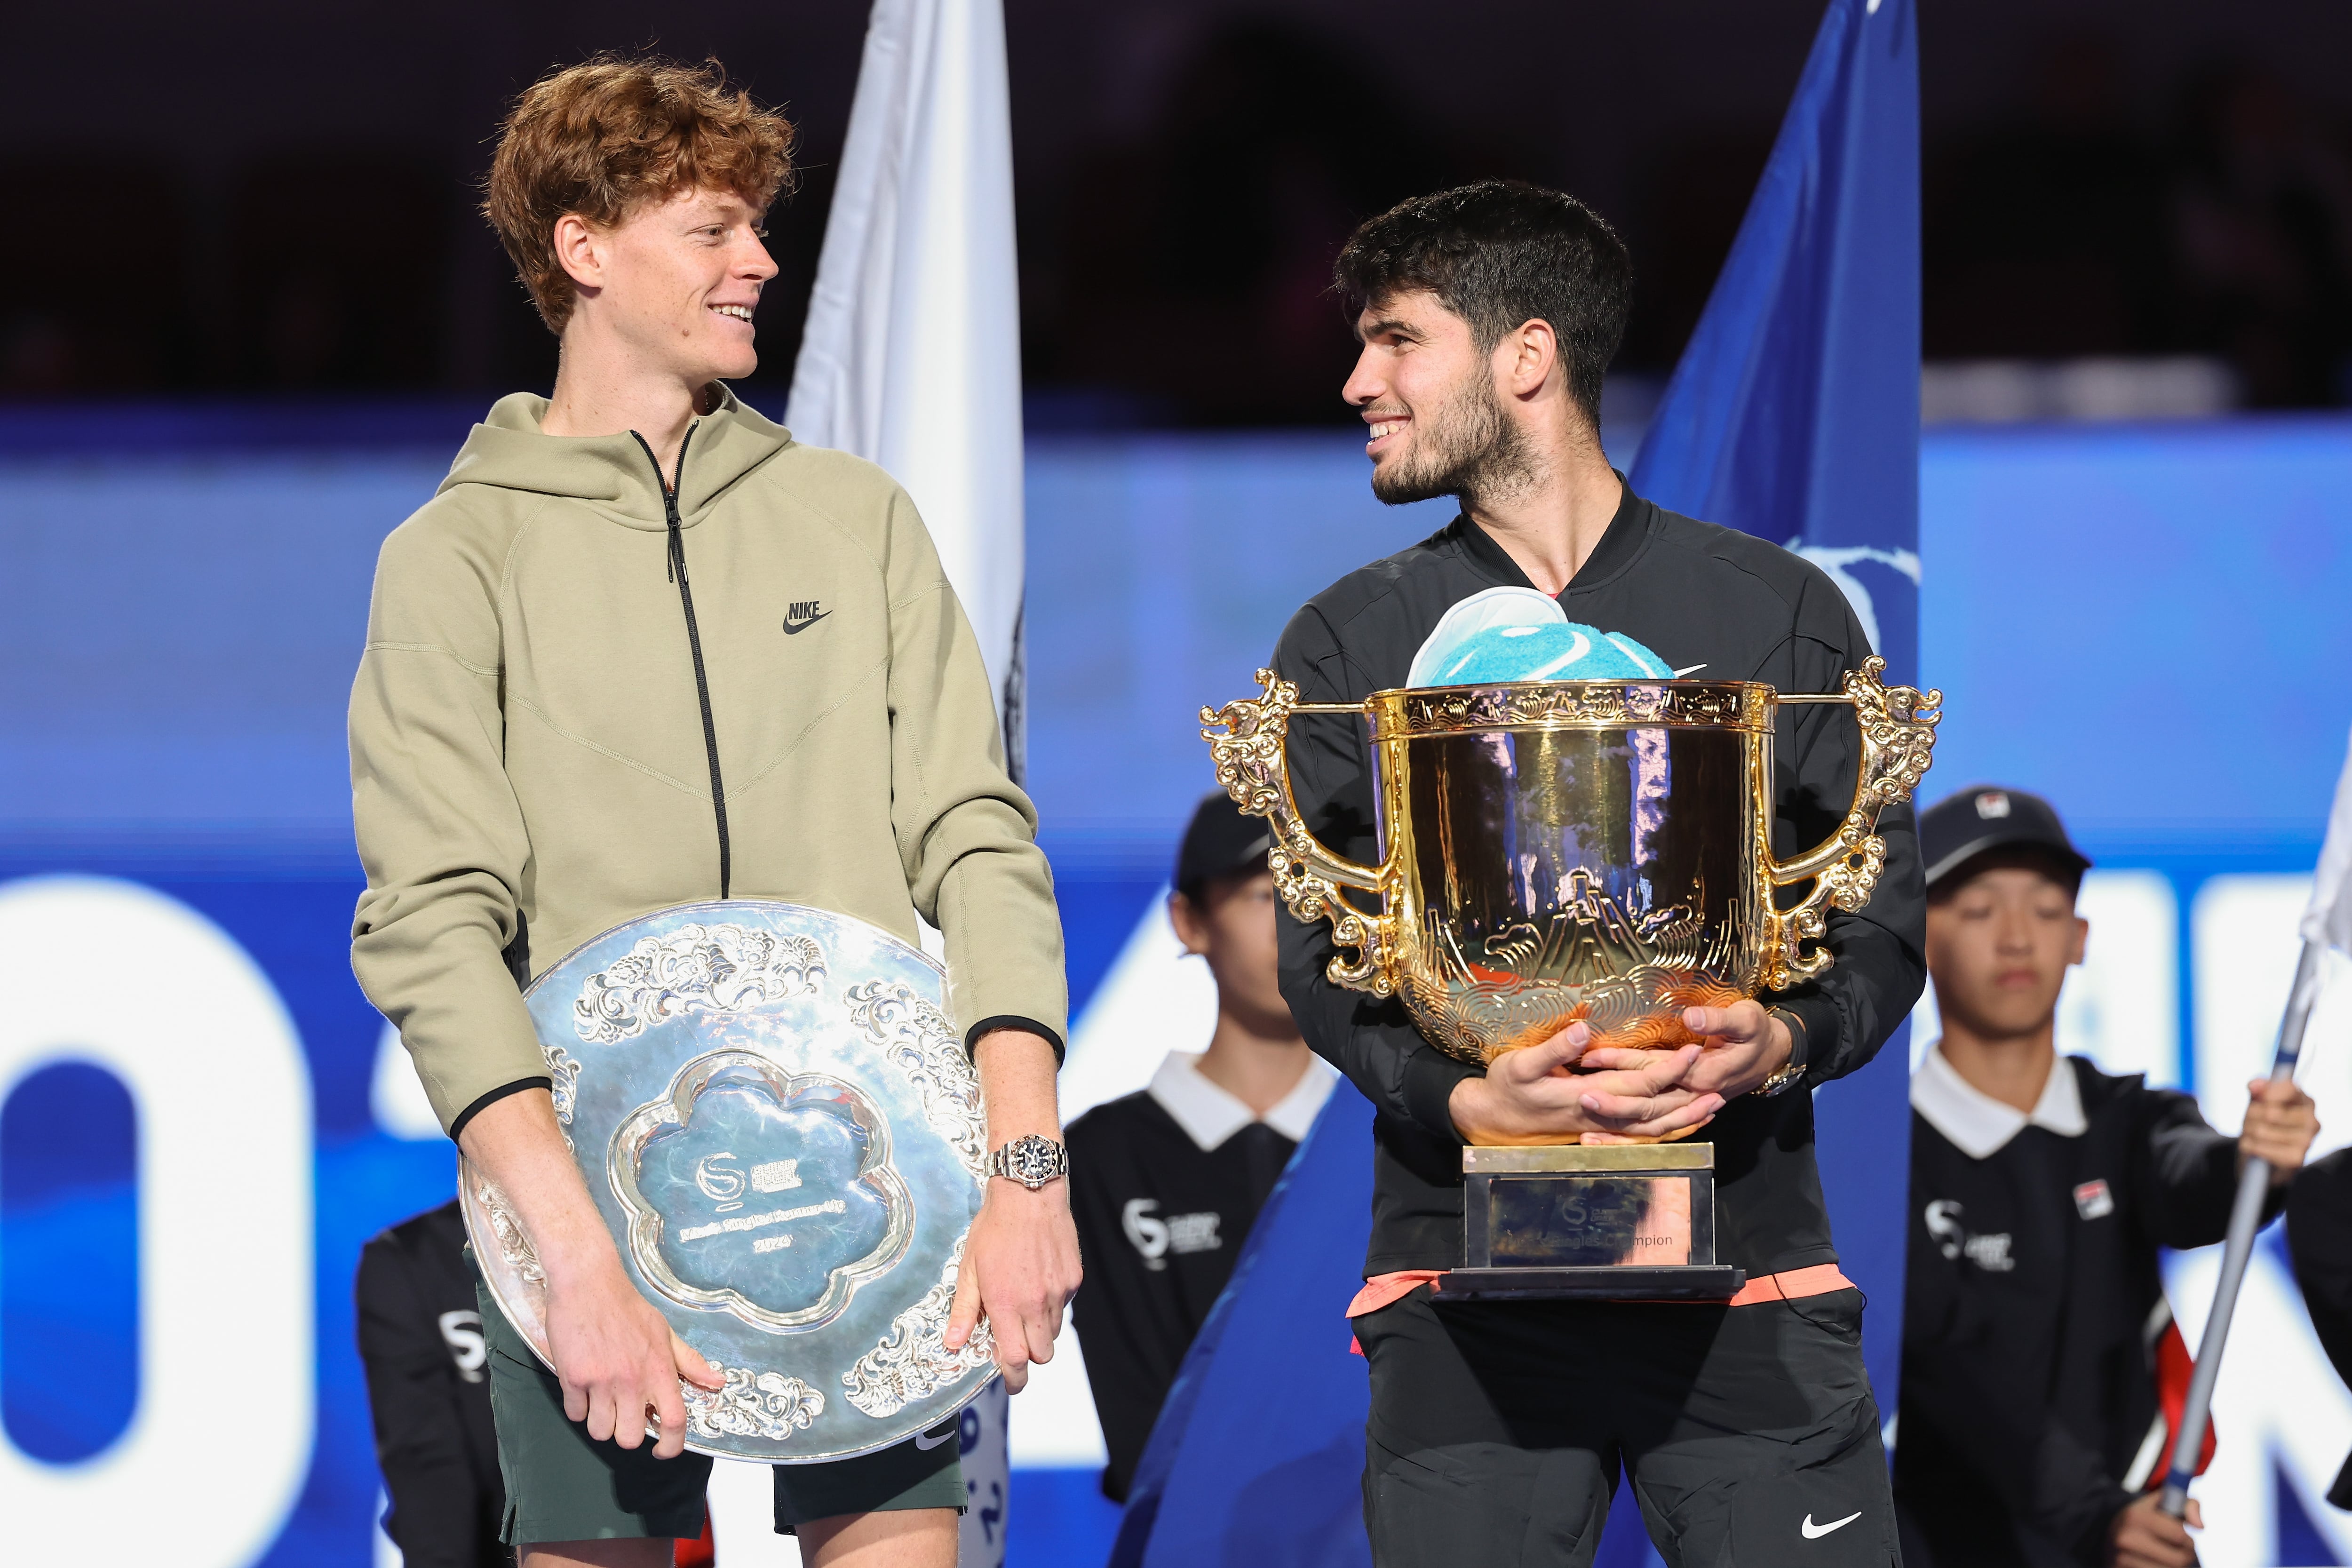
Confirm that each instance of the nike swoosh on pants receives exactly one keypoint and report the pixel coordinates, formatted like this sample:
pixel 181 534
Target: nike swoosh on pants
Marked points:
pixel 1813 1532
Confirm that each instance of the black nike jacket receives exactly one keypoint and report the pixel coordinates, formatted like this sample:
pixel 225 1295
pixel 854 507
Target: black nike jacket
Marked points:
pixel 1696 595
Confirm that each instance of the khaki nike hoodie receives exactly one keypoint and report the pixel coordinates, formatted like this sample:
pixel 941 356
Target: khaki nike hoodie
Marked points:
pixel 532 763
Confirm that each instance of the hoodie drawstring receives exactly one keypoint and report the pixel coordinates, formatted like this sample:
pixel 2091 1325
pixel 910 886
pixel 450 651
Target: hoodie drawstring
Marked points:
pixel 669 489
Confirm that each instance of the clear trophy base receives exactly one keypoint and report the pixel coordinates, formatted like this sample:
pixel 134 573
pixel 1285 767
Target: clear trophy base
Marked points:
pixel 1606 1222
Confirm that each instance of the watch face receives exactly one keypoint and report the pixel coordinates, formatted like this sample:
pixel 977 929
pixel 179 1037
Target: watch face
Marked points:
pixel 1032 1161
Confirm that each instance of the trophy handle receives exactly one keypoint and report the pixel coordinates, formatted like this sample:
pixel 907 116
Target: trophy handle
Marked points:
pixel 1254 770
pixel 1898 735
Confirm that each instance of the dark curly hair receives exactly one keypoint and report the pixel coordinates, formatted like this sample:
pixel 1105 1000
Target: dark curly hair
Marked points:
pixel 613 133
pixel 1501 253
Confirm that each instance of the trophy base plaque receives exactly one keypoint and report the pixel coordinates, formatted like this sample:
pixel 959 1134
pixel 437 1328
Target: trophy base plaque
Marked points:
pixel 1719 1282
pixel 1601 1222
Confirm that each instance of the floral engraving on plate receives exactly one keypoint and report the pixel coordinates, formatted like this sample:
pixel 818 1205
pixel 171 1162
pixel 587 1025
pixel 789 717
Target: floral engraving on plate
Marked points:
pixel 513 1244
pixel 920 1043
pixel 752 1404
pixel 911 1362
pixel 564 1069
pixel 719 968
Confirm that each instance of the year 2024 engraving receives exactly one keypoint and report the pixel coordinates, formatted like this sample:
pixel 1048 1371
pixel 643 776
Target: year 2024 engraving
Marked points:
pixel 761 1221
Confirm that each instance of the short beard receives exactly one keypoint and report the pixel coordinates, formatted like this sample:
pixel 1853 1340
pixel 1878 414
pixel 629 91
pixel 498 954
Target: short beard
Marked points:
pixel 1469 448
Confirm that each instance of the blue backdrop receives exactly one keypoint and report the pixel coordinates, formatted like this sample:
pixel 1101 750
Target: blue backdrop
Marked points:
pixel 2143 622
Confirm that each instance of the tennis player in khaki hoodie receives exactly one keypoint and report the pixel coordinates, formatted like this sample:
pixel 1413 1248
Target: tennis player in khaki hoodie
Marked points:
pixel 644 648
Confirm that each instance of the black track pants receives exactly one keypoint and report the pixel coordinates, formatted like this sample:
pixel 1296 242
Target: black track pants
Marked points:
pixel 1497 1430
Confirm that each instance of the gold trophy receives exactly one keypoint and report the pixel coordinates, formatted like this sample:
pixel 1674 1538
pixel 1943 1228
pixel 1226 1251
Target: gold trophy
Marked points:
pixel 1577 849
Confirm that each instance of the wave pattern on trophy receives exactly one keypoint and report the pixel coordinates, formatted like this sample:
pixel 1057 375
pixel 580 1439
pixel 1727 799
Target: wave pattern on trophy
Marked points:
pixel 1619 971
pixel 719 968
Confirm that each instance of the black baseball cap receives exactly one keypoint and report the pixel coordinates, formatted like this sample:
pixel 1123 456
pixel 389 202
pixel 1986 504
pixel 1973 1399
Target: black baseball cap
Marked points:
pixel 1220 842
pixel 1960 827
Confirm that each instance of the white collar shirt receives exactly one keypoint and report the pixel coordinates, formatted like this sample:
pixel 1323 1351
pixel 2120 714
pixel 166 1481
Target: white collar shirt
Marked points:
pixel 1210 1115
pixel 1980 1126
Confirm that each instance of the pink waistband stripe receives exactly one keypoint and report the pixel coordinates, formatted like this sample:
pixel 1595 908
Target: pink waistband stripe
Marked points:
pixel 1820 1279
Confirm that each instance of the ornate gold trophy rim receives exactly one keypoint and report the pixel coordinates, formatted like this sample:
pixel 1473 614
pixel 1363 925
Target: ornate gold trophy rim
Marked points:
pixel 1405 710
pixel 1248 737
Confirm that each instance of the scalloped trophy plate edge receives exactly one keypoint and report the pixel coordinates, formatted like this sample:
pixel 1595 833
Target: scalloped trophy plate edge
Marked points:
pixel 777 1400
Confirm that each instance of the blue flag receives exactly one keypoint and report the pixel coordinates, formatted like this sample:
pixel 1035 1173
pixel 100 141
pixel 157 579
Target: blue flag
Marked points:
pixel 1258 1456
pixel 1794 416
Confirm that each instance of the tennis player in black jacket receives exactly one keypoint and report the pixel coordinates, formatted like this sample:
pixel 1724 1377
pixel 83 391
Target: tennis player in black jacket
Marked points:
pixel 1487 315
pixel 2037 1342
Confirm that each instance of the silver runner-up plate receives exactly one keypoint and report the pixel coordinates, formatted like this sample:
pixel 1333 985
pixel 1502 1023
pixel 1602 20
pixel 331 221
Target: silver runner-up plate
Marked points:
pixel 785 1135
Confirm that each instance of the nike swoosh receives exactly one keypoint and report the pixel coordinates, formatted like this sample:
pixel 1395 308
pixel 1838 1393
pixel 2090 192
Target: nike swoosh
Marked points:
pixel 925 1442
pixel 791 630
pixel 1813 1532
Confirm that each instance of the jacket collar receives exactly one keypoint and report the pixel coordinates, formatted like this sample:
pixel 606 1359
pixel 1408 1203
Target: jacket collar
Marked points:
pixel 509 450
pixel 1980 1126
pixel 1208 1115
pixel 1621 543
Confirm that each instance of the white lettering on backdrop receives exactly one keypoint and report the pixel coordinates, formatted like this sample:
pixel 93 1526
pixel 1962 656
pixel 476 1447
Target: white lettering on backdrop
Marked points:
pixel 122 977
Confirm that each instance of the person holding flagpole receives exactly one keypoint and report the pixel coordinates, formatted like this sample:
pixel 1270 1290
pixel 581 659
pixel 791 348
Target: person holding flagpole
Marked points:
pixel 643 649
pixel 2044 1380
pixel 1489 315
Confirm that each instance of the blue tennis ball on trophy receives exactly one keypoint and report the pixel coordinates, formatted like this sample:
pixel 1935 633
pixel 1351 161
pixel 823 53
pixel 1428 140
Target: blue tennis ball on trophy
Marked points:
pixel 1563 650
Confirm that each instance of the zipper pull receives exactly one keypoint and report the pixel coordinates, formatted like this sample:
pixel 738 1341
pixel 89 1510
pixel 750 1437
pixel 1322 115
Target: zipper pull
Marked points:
pixel 675 559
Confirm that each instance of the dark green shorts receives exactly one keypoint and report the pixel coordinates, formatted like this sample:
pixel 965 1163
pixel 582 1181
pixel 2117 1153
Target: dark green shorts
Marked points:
pixel 564 1485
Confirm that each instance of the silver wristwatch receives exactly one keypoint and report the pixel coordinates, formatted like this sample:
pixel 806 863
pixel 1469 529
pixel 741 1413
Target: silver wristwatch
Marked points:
pixel 1792 1072
pixel 1031 1161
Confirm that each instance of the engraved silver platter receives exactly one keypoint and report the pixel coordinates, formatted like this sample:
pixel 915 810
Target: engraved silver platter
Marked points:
pixel 783 1134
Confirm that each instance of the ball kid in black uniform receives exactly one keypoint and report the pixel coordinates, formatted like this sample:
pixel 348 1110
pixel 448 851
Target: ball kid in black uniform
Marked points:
pixel 1487 316
pixel 2042 1372
pixel 1166 1183
pixel 420 1333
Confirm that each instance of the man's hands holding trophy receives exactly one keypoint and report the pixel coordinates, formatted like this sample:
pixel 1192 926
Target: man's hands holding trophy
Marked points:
pixel 1568 1086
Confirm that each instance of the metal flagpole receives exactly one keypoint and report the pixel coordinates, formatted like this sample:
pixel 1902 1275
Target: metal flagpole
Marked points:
pixel 2327 923
pixel 2245 1219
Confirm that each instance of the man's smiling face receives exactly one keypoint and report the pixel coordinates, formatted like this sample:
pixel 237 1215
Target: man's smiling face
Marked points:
pixel 681 279
pixel 1427 395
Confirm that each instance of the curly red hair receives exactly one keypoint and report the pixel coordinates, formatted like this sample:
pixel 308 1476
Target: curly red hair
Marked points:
pixel 613 133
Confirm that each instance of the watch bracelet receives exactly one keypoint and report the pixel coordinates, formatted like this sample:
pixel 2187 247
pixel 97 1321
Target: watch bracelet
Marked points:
pixel 1786 1075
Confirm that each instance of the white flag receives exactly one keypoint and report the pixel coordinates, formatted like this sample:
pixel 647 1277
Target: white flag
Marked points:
pixel 2329 920
pixel 911 357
